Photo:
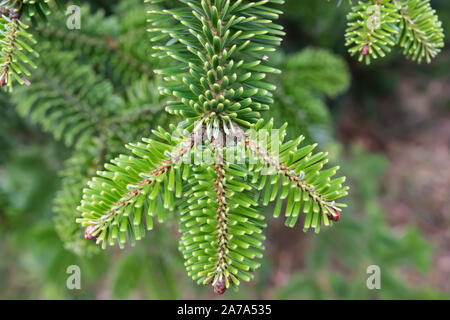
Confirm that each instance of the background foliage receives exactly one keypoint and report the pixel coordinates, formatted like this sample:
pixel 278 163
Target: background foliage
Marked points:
pixel 351 109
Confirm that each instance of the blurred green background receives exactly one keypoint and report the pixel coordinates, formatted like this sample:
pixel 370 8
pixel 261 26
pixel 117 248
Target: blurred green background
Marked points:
pixel 387 125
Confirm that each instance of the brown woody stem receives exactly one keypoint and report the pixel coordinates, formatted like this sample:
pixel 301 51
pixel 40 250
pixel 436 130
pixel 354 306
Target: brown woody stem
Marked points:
pixel 222 227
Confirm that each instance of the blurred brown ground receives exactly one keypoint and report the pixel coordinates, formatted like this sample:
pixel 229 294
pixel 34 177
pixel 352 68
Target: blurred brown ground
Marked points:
pixel 413 131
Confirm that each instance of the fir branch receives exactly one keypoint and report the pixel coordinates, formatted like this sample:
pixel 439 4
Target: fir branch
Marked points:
pixel 333 212
pixel 16 43
pixel 375 26
pixel 130 119
pixel 297 174
pixel 6 65
pixel 217 86
pixel 12 30
pixel 129 189
pixel 221 70
pixel 110 43
pixel 69 99
pixel 372 29
pixel 422 36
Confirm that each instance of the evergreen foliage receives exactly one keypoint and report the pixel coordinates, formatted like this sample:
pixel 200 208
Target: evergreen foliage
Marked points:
pixel 96 90
pixel 113 45
pixel 16 42
pixel 219 89
pixel 129 120
pixel 68 99
pixel 375 26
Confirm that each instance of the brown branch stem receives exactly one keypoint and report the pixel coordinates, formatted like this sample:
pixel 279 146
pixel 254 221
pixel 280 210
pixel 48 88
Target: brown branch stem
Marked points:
pixel 332 213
